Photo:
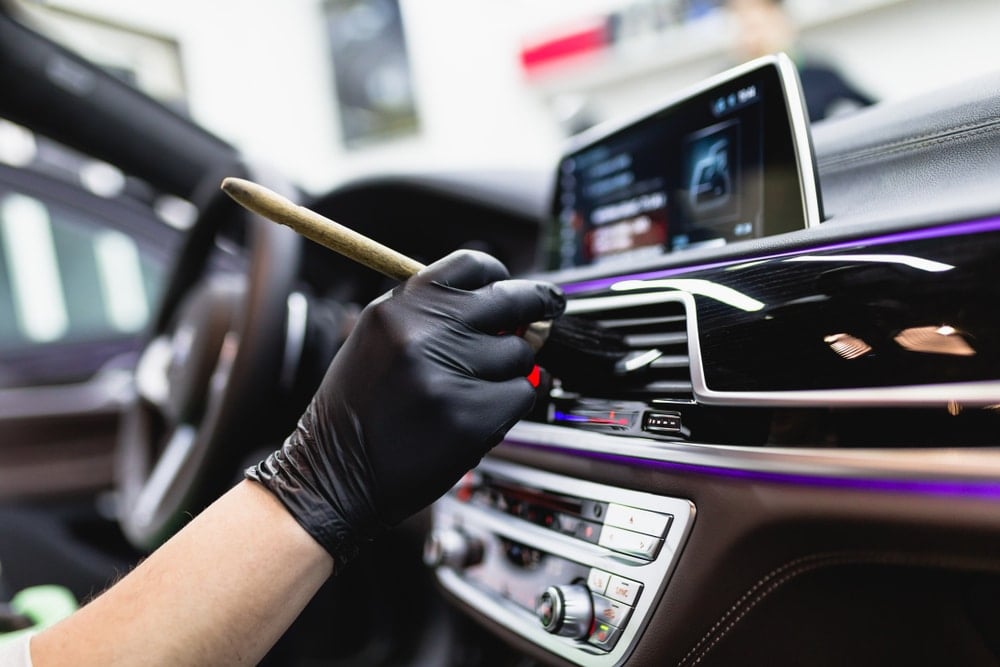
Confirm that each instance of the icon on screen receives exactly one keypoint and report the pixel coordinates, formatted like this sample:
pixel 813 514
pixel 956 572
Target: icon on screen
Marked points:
pixel 712 173
pixel 711 184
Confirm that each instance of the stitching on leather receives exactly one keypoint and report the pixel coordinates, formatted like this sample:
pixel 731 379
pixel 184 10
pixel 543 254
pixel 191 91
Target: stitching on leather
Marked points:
pixel 911 144
pixel 807 567
pixel 955 130
pixel 875 156
pixel 781 576
pixel 736 605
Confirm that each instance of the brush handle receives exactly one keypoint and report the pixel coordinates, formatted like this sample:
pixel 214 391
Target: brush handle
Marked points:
pixel 321 229
pixel 340 239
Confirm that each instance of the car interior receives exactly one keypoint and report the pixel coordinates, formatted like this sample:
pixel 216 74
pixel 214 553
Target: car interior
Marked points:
pixel 781 450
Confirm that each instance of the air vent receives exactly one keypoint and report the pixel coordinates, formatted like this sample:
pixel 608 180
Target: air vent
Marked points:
pixel 654 363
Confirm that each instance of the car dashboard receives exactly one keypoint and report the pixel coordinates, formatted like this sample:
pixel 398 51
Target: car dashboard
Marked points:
pixel 795 460
pixel 790 457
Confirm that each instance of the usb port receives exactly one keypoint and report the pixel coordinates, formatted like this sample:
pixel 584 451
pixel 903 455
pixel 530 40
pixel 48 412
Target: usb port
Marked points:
pixel 662 422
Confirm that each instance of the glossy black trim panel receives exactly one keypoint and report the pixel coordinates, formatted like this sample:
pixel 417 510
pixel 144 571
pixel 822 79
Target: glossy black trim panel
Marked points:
pixel 902 319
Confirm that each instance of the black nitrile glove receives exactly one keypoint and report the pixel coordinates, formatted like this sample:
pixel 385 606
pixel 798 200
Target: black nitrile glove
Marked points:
pixel 429 380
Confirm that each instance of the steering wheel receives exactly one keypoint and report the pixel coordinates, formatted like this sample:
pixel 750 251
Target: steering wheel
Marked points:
pixel 216 346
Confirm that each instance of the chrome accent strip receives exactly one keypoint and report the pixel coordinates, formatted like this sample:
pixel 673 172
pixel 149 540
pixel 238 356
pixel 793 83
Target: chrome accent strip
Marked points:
pixel 928 395
pixel 944 465
pixel 599 303
pixel 919 263
pixel 801 139
pixel 653 575
pixel 981 393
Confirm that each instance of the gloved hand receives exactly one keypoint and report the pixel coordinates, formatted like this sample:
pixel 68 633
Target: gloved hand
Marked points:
pixel 429 380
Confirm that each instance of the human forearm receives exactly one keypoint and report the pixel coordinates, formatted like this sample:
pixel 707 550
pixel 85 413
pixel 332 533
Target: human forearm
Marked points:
pixel 428 382
pixel 220 592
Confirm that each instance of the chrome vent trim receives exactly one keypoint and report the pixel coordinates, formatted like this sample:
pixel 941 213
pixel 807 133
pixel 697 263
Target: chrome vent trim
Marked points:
pixel 985 393
pixel 656 330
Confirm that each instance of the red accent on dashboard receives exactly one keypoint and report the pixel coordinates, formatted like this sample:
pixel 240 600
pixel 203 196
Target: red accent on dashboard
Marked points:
pixel 535 376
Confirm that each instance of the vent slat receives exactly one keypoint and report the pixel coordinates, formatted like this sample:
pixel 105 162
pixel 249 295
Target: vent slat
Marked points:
pixel 672 361
pixel 671 387
pixel 658 339
pixel 646 327
pixel 643 322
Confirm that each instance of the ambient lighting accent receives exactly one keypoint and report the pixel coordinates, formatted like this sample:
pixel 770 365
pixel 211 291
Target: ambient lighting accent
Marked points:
pixel 923 234
pixel 610 420
pixel 706 288
pixel 935 340
pixel 920 263
pixel 847 346
pixel 979 490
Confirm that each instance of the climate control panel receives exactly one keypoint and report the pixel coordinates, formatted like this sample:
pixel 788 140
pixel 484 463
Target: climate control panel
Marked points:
pixel 574 566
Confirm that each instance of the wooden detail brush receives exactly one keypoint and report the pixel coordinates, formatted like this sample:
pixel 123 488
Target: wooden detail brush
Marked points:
pixel 322 230
pixel 575 337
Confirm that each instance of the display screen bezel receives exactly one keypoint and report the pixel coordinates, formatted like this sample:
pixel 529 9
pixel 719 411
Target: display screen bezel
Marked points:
pixel 788 197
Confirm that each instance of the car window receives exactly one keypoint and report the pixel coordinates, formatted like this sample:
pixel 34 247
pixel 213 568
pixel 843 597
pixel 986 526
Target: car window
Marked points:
pixel 67 277
pixel 84 249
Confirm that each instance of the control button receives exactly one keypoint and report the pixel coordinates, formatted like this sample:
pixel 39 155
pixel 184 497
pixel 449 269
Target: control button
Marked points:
pixel 609 611
pixel 522 555
pixel 625 541
pixel 641 521
pixel 452 548
pixel 623 590
pixel 597 582
pixel 567 611
pixel 593 510
pixel 546 609
pixel 604 636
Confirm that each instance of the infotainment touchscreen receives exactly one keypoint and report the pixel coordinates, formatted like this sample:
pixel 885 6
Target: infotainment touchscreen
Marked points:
pixel 728 161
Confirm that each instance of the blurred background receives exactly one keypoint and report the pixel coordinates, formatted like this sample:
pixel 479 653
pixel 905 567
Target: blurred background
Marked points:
pixel 330 89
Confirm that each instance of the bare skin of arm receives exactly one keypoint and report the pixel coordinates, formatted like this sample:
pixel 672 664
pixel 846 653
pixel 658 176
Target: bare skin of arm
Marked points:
pixel 181 607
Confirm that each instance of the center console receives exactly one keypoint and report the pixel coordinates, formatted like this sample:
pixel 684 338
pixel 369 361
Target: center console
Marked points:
pixel 573 566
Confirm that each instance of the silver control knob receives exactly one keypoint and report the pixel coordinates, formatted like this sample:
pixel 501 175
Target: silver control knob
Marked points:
pixel 452 548
pixel 566 610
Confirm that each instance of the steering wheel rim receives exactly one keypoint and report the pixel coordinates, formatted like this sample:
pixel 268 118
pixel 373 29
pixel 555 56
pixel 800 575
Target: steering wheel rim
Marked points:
pixel 173 454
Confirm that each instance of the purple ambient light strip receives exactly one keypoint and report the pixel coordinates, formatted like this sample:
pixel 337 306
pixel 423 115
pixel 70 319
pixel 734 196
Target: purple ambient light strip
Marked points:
pixel 954 229
pixel 978 490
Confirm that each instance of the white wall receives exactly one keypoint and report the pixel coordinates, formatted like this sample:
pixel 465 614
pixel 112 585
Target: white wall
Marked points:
pixel 258 73
pixel 893 49
pixel 914 46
